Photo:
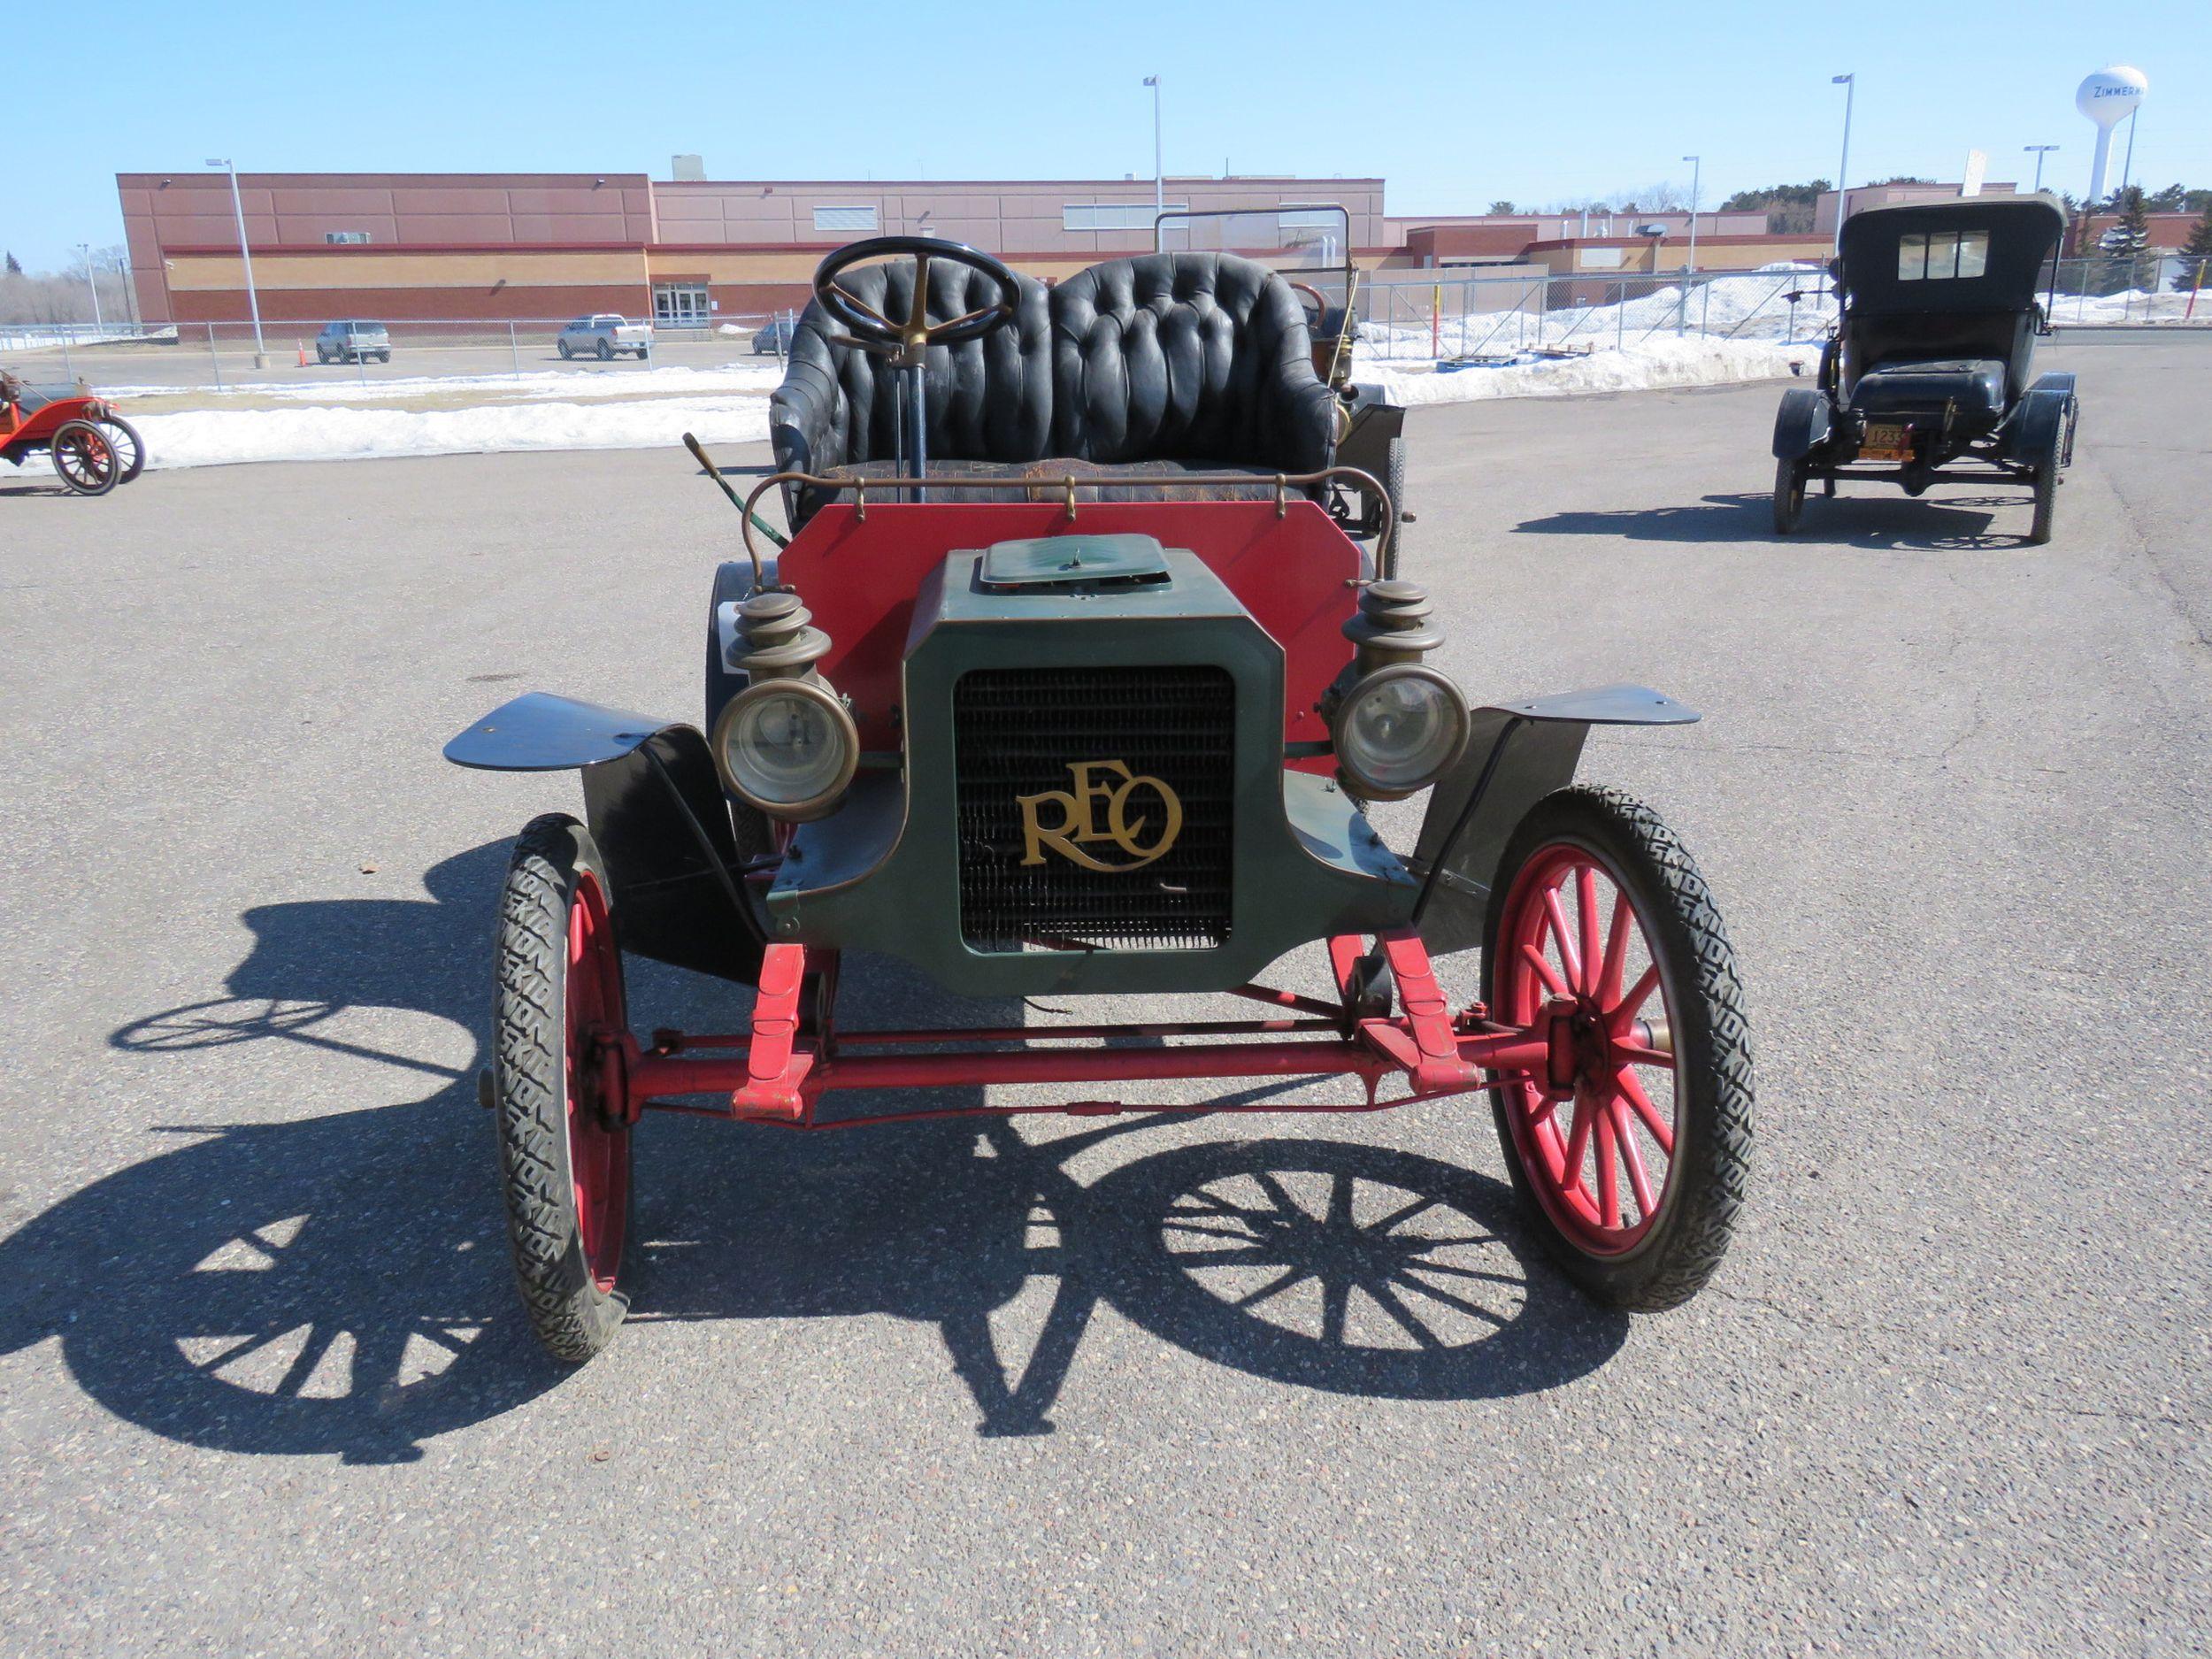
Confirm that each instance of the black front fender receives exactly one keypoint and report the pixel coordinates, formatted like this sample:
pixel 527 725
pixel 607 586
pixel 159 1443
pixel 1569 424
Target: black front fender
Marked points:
pixel 1802 424
pixel 1516 754
pixel 656 809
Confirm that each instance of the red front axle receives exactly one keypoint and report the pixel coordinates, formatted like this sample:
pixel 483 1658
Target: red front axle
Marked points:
pixel 778 1071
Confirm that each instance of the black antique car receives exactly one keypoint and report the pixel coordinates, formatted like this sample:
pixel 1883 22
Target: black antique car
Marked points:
pixel 1067 682
pixel 1926 377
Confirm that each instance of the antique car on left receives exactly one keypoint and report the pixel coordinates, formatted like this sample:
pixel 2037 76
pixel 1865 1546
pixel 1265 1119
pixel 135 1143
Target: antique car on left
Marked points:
pixel 1928 377
pixel 92 448
pixel 1068 682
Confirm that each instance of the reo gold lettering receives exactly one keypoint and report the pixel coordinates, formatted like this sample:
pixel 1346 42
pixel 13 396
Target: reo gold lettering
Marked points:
pixel 1080 825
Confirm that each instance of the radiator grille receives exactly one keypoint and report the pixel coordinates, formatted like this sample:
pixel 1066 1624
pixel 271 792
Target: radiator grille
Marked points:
pixel 1016 732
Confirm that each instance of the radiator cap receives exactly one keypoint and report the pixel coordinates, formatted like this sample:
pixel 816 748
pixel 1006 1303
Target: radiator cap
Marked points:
pixel 1059 561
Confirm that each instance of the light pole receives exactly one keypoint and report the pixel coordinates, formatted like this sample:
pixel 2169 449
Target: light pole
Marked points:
pixel 1689 261
pixel 245 254
pixel 92 281
pixel 1697 173
pixel 1850 85
pixel 2038 151
pixel 1159 173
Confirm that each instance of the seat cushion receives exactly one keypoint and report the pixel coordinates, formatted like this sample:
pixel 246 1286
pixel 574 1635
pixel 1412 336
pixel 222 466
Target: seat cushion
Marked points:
pixel 1976 385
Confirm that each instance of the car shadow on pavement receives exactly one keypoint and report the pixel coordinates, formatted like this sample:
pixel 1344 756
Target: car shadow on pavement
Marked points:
pixel 1895 521
pixel 338 1283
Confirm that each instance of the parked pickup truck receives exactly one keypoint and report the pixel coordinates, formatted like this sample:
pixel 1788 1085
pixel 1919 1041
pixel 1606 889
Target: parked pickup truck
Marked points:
pixel 604 335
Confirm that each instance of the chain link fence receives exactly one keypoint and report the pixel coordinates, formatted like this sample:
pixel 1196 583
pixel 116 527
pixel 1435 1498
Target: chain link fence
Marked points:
pixel 461 351
pixel 1406 316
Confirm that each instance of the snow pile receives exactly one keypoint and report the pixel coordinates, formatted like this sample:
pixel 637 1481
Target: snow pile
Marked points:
pixel 554 384
pixel 224 437
pixel 1753 306
pixel 2132 305
pixel 1660 361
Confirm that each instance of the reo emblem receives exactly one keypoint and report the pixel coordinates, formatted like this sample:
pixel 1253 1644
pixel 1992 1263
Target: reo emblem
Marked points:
pixel 1079 825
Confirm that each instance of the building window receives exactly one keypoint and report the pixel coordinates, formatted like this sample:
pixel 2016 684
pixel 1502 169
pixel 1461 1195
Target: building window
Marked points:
pixel 1114 215
pixel 346 236
pixel 1940 255
pixel 844 218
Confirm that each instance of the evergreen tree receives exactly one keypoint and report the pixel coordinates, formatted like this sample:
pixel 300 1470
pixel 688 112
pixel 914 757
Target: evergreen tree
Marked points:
pixel 2198 248
pixel 15 265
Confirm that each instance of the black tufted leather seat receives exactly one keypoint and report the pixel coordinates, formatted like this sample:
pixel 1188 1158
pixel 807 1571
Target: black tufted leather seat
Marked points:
pixel 1162 364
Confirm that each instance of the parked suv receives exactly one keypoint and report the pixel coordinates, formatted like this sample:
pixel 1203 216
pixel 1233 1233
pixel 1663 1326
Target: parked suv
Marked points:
pixel 603 336
pixel 353 343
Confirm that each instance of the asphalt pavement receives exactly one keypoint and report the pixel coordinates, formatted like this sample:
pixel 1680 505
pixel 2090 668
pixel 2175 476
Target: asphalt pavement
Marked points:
pixel 936 1390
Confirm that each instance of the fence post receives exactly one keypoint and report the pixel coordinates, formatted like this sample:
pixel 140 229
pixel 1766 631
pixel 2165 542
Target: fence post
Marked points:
pixel 214 356
pixel 514 349
pixel 1620 319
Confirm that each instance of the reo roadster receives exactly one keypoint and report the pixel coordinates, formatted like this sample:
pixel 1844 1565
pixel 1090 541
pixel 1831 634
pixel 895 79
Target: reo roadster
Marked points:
pixel 1925 379
pixel 1067 682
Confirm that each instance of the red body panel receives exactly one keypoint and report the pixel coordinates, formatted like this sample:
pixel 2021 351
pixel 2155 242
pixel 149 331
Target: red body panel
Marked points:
pixel 1295 573
pixel 21 434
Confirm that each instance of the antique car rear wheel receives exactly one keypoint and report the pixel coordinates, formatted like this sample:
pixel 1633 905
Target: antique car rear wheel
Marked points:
pixel 1789 495
pixel 565 1153
pixel 130 449
pixel 1632 1149
pixel 2046 474
pixel 83 458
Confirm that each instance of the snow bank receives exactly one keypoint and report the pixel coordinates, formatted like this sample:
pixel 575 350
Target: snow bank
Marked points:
pixel 548 383
pixel 1660 361
pixel 650 409
pixel 225 437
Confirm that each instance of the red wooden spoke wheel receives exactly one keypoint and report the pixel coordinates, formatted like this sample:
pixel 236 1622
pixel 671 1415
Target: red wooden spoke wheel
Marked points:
pixel 598 1154
pixel 1632 1143
pixel 556 1085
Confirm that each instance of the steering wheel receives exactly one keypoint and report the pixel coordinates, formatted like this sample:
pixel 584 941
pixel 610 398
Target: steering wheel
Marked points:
pixel 905 342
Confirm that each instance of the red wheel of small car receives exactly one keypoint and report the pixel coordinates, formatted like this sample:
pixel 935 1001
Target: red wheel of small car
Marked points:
pixel 1632 1143
pixel 84 459
pixel 556 1085
pixel 598 1155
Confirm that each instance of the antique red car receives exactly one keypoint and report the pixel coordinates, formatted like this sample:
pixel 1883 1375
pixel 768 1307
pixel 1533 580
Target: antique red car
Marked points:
pixel 93 448
pixel 1067 681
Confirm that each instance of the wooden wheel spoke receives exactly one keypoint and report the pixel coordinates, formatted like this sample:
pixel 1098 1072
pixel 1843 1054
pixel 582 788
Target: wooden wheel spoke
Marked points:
pixel 1638 1178
pixel 1577 1144
pixel 1632 1091
pixel 1615 948
pixel 1609 1166
pixel 1586 914
pixel 1552 982
pixel 1636 1054
pixel 1558 921
pixel 1630 1006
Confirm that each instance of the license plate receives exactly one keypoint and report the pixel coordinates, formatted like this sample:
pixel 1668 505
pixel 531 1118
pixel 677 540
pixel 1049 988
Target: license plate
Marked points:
pixel 1887 441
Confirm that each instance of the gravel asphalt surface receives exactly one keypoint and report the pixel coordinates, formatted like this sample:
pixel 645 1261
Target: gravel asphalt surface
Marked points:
pixel 265 1386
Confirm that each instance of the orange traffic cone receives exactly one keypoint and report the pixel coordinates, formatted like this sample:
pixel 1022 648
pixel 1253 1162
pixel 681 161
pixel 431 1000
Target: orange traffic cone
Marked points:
pixel 303 346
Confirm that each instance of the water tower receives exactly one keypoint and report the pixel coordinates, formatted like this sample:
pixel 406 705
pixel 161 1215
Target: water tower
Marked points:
pixel 2109 97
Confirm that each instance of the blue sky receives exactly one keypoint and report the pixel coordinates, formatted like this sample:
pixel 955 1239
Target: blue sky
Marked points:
pixel 1454 104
